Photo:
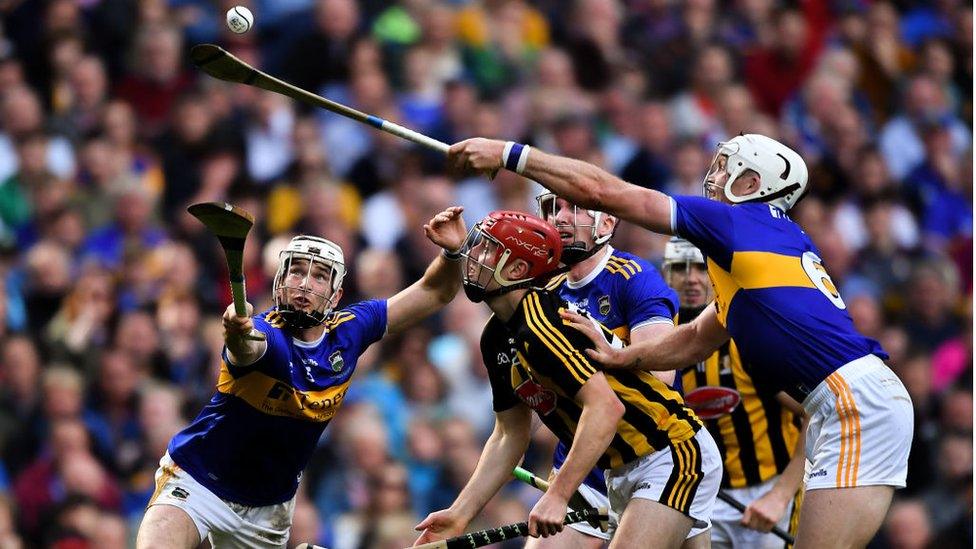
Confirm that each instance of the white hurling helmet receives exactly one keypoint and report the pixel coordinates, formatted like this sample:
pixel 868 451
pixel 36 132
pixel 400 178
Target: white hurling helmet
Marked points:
pixel 679 250
pixel 310 249
pixel 575 252
pixel 782 172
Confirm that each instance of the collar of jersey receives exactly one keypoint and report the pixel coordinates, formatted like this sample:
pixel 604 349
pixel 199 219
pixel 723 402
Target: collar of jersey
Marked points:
pixel 309 344
pixel 597 269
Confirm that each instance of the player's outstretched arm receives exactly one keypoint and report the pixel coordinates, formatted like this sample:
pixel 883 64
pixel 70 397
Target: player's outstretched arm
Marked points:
pixel 243 351
pixel 503 451
pixel 441 280
pixel 684 345
pixel 651 332
pixel 579 182
pixel 594 432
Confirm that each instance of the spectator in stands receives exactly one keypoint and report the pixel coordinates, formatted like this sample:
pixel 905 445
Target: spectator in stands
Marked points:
pixel 157 76
pixel 337 24
pixel 650 167
pixel 901 138
pixel 775 71
pixel 694 112
pixel 98 96
pixel 20 116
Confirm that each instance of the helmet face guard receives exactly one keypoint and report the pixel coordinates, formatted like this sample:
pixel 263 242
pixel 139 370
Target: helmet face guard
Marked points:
pixel 499 238
pixel 680 256
pixel 576 251
pixel 484 257
pixel 306 286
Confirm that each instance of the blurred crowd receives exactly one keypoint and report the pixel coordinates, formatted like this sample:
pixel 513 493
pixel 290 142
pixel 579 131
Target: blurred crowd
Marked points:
pixel 110 294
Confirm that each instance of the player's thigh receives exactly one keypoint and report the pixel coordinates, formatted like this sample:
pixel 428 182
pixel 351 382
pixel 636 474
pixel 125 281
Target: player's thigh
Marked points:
pixel 647 523
pixel 827 519
pixel 167 527
pixel 567 539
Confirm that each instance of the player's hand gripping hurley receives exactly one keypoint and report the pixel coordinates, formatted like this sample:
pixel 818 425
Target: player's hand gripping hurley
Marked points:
pixel 230 225
pixel 222 65
pixel 596 517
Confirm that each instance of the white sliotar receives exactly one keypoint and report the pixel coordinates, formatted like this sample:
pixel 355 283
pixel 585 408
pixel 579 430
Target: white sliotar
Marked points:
pixel 240 19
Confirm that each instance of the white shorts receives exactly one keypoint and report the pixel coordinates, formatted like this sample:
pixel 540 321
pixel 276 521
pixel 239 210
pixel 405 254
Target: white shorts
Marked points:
pixel 596 499
pixel 727 529
pixel 685 476
pixel 861 425
pixel 227 524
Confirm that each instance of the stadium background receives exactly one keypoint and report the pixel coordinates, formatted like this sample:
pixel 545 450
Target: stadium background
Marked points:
pixel 111 294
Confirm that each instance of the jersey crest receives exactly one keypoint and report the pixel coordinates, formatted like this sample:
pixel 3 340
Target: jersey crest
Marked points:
pixel 335 361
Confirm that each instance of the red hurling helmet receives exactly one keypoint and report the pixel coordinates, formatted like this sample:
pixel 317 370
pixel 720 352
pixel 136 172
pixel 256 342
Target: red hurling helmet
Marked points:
pixel 501 237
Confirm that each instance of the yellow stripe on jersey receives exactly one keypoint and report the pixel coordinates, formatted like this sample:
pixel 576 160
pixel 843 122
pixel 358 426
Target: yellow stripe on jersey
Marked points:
pixel 556 341
pixel 553 284
pixel 677 430
pixel 622 267
pixel 632 266
pixel 276 398
pixel 274 319
pixel 564 419
pixel 758 437
pixel 753 270
pixel 725 288
pixel 757 419
pixel 338 319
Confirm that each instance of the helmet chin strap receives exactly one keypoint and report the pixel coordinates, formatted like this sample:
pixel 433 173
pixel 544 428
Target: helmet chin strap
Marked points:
pixel 778 194
pixel 571 256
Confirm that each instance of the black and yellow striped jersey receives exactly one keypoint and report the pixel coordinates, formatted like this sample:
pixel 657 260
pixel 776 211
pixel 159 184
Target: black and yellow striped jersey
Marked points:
pixel 537 360
pixel 757 439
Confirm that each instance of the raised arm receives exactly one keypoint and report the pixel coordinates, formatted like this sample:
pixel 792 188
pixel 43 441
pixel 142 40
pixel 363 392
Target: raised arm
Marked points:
pixel 579 182
pixel 440 282
pixel 503 451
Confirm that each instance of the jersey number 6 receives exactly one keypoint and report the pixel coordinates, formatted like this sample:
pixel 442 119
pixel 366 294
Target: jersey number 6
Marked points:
pixel 813 266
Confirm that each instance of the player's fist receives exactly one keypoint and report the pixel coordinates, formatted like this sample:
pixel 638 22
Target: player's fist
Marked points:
pixel 546 518
pixel 235 325
pixel 447 229
pixel 439 525
pixel 476 156
pixel 765 512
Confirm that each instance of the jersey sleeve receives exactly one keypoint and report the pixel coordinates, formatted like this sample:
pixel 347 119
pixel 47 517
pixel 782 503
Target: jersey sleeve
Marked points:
pixel 366 322
pixel 707 224
pixel 275 352
pixel 496 352
pixel 648 300
pixel 554 349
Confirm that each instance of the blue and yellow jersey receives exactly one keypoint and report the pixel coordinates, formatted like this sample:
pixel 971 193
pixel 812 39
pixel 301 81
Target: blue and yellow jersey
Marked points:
pixel 772 293
pixel 252 441
pixel 623 292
